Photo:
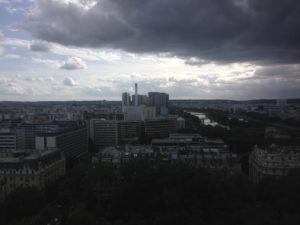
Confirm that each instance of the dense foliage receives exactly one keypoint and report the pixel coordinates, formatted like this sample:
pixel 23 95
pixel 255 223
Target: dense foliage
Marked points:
pixel 243 134
pixel 140 193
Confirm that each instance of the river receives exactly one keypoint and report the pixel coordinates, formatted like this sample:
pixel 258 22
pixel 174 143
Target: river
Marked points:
pixel 205 120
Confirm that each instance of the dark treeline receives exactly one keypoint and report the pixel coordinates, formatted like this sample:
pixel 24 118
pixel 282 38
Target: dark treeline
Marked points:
pixel 141 193
pixel 243 135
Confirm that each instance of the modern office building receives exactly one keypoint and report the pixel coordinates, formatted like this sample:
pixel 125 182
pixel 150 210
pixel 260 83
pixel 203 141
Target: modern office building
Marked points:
pixel 73 143
pixel 160 101
pixel 129 131
pixel 273 161
pixel 29 131
pixel 141 100
pixel 112 132
pixel 126 99
pixel 103 132
pixel 160 127
pixel 8 139
pixel 149 113
pixel 134 113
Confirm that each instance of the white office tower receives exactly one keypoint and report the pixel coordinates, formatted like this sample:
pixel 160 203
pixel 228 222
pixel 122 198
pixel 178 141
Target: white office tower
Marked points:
pixel 134 112
pixel 125 100
pixel 137 111
pixel 136 94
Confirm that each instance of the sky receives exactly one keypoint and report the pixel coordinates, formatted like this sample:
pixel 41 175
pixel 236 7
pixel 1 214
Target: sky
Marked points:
pixel 191 49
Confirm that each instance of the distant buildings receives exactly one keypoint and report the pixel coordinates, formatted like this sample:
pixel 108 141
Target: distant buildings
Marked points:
pixel 144 117
pixel 143 107
pixel 112 132
pixel 273 161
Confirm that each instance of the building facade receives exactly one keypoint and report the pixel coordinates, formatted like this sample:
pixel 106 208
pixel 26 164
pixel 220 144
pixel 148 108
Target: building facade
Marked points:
pixel 73 143
pixel 30 170
pixel 160 101
pixel 8 139
pixel 160 127
pixel 273 161
pixel 103 132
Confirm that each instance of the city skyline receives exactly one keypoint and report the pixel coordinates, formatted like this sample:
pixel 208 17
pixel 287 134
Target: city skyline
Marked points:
pixel 95 50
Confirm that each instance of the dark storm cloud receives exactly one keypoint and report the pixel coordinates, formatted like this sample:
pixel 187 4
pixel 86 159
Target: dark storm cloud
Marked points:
pixel 279 71
pixel 39 46
pixel 259 31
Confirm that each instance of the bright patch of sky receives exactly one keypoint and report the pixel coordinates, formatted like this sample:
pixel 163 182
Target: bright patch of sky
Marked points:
pixel 34 70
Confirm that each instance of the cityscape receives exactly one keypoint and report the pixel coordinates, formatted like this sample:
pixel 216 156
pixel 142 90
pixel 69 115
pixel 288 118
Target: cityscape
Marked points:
pixel 149 112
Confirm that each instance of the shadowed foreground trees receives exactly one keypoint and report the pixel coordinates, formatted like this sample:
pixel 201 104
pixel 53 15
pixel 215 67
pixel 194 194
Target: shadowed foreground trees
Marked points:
pixel 140 193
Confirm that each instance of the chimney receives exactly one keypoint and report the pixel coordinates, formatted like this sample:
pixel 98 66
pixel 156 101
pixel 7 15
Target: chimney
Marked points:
pixel 136 93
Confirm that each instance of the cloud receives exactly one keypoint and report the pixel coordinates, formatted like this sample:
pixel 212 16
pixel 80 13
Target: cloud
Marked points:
pixel 12 56
pixel 11 88
pixel 1 40
pixel 69 81
pixel 84 53
pixel 220 31
pixel 50 78
pixel 47 62
pixel 73 63
pixel 2 37
pixel 40 46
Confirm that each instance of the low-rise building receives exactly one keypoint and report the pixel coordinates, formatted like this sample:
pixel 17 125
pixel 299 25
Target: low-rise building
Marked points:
pixel 189 148
pixel 196 150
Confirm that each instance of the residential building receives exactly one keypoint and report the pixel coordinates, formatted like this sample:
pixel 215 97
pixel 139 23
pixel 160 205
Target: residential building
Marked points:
pixel 30 170
pixel 273 161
